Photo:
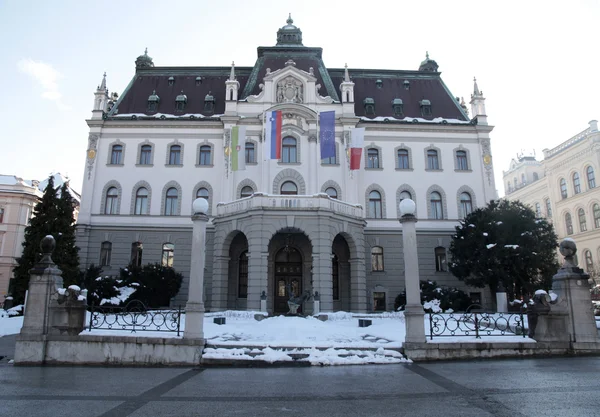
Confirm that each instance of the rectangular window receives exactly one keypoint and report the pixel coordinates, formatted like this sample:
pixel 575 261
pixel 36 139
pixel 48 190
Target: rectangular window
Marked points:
pixel 145 155
pixel 379 301
pixel 1 215
pixel 403 159
pixel 432 160
pixel 116 155
pixel 105 253
pixel 136 254
pixel 461 161
pixel 329 161
pixel 175 155
pixel 440 260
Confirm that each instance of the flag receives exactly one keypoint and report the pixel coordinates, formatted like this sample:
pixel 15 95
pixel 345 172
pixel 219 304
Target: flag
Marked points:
pixel 238 148
pixel 327 134
pixel 356 146
pixel 273 135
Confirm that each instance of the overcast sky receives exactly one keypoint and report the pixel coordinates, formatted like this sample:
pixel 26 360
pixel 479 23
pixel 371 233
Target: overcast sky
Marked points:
pixel 536 61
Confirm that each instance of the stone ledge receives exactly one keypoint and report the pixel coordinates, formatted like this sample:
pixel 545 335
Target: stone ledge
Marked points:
pixel 138 340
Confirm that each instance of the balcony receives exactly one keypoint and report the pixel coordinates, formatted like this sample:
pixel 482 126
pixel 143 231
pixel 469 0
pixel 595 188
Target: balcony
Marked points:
pixel 289 202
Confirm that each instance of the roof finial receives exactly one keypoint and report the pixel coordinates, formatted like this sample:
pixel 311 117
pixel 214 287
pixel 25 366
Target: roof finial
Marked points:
pixel 289 20
pixel 427 54
pixel 146 51
pixel 232 73
pixel 102 85
pixel 346 75
pixel 475 87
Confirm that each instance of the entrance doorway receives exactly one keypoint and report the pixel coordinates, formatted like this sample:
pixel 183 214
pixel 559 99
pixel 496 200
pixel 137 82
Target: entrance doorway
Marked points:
pixel 288 278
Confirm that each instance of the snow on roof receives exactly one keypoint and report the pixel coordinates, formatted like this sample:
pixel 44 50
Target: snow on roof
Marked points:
pixel 59 180
pixel 415 120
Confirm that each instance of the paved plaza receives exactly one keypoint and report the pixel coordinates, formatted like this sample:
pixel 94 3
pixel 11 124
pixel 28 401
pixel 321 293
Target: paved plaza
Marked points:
pixel 562 387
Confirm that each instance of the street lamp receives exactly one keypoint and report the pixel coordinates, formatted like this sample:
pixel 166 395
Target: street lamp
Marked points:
pixel 413 312
pixel 194 309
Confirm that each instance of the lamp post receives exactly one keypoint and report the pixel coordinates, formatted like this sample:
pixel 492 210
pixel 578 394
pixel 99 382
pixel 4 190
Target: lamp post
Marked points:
pixel 413 313
pixel 194 309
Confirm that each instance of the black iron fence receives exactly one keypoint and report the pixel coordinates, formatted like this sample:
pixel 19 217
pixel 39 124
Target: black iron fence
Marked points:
pixel 476 324
pixel 135 317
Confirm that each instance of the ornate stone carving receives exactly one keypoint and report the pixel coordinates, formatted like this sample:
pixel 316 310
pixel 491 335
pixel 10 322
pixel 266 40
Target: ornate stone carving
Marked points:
pixel 290 90
pixel 487 159
pixel 91 153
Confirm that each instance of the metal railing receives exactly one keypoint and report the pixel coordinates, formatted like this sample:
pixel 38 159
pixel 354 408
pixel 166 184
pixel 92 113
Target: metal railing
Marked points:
pixel 476 324
pixel 135 317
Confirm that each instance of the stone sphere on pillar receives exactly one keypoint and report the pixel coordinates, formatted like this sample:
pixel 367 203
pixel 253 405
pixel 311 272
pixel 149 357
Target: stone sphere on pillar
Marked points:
pixel 407 207
pixel 200 206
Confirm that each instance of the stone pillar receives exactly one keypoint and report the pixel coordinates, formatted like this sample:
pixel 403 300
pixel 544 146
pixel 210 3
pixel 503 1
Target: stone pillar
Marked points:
pixel 358 285
pixel 313 167
pixel 194 309
pixel 322 279
pixel 413 314
pixel 258 278
pixel 501 300
pixel 45 279
pixel 220 281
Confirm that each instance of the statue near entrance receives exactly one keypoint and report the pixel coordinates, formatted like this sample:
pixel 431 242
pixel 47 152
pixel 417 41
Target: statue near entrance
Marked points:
pixel 295 302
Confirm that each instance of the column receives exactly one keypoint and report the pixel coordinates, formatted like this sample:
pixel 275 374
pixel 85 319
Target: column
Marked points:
pixel 194 309
pixel 313 166
pixel 413 314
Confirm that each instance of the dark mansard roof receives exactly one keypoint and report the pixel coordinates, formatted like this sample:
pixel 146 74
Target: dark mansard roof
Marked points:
pixel 382 86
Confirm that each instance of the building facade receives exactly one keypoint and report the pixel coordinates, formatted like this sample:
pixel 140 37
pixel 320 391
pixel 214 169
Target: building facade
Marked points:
pixel 563 188
pixel 293 224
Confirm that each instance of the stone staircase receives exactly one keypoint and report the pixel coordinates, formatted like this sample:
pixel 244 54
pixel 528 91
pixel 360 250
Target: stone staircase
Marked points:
pixel 262 356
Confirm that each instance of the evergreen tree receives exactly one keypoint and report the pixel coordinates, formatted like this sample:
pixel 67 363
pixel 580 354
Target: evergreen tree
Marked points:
pixel 505 242
pixel 51 216
pixel 66 253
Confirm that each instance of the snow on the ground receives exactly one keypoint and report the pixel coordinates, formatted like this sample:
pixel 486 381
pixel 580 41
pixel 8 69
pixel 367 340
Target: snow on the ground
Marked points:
pixel 10 322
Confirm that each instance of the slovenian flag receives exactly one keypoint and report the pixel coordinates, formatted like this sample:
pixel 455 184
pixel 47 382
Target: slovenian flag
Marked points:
pixel 238 148
pixel 273 135
pixel 356 147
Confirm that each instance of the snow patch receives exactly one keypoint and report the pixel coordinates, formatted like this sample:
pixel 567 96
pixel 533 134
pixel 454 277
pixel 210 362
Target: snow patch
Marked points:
pixel 490 245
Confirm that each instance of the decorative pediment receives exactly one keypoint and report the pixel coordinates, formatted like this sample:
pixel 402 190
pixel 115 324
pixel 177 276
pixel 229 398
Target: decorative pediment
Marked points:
pixel 290 90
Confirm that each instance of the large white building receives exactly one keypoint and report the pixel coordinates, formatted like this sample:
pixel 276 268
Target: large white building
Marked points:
pixel 563 187
pixel 301 222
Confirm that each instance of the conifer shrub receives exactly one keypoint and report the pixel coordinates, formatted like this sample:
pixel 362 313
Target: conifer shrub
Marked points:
pixel 450 298
pixel 155 284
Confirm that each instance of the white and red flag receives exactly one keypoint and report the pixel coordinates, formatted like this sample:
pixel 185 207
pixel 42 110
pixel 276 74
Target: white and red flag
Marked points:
pixel 357 143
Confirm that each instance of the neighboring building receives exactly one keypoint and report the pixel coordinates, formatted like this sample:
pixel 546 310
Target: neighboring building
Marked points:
pixel 300 222
pixel 18 198
pixel 563 187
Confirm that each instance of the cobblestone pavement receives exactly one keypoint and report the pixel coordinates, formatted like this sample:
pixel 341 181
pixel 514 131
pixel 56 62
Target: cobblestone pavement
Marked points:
pixel 565 387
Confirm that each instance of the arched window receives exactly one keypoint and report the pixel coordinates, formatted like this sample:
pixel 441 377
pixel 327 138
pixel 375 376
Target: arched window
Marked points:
pixel 515 182
pixel 175 155
pixel 563 188
pixel 435 201
pixel 432 159
pixel 331 192
pixel 168 255
pixel 466 204
pixel 403 161
pixel 440 259
pixel 289 188
pixel 105 253
pixel 373 158
pixel 146 155
pixel 141 201
pixel 116 155
pixel 538 210
pixel 523 180
pixel 569 223
pixel 243 275
pixel 335 276
pixel 548 208
pixel 247 191
pixel 289 150
pixel 203 193
pixel 576 183
pixel 461 161
pixel 596 215
pixel 375 211
pixel 509 187
pixel 377 258
pixel 582 220
pixel 205 155
pixel 171 201
pixel 589 261
pixel 249 152
pixel 536 176
pixel 591 177
pixel 405 194
pixel 136 254
pixel 112 201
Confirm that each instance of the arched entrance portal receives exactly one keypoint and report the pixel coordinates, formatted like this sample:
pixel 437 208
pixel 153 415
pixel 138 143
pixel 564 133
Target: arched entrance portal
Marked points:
pixel 288 277
pixel 290 262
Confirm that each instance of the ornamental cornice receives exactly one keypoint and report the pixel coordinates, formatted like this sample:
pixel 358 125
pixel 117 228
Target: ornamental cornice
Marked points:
pixel 568 161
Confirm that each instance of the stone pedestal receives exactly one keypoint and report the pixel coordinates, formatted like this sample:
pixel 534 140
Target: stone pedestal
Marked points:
pixel 194 309
pixel 413 313
pixel 501 300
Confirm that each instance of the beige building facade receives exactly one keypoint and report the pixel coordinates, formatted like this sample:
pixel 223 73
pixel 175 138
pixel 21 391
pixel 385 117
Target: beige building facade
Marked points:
pixel 563 187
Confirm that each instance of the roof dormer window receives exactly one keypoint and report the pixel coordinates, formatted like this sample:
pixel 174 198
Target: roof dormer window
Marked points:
pixel 369 104
pixel 153 101
pixel 397 107
pixel 379 83
pixel 198 80
pixel 209 103
pixel 171 80
pixel 180 102
pixel 406 85
pixel 425 108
